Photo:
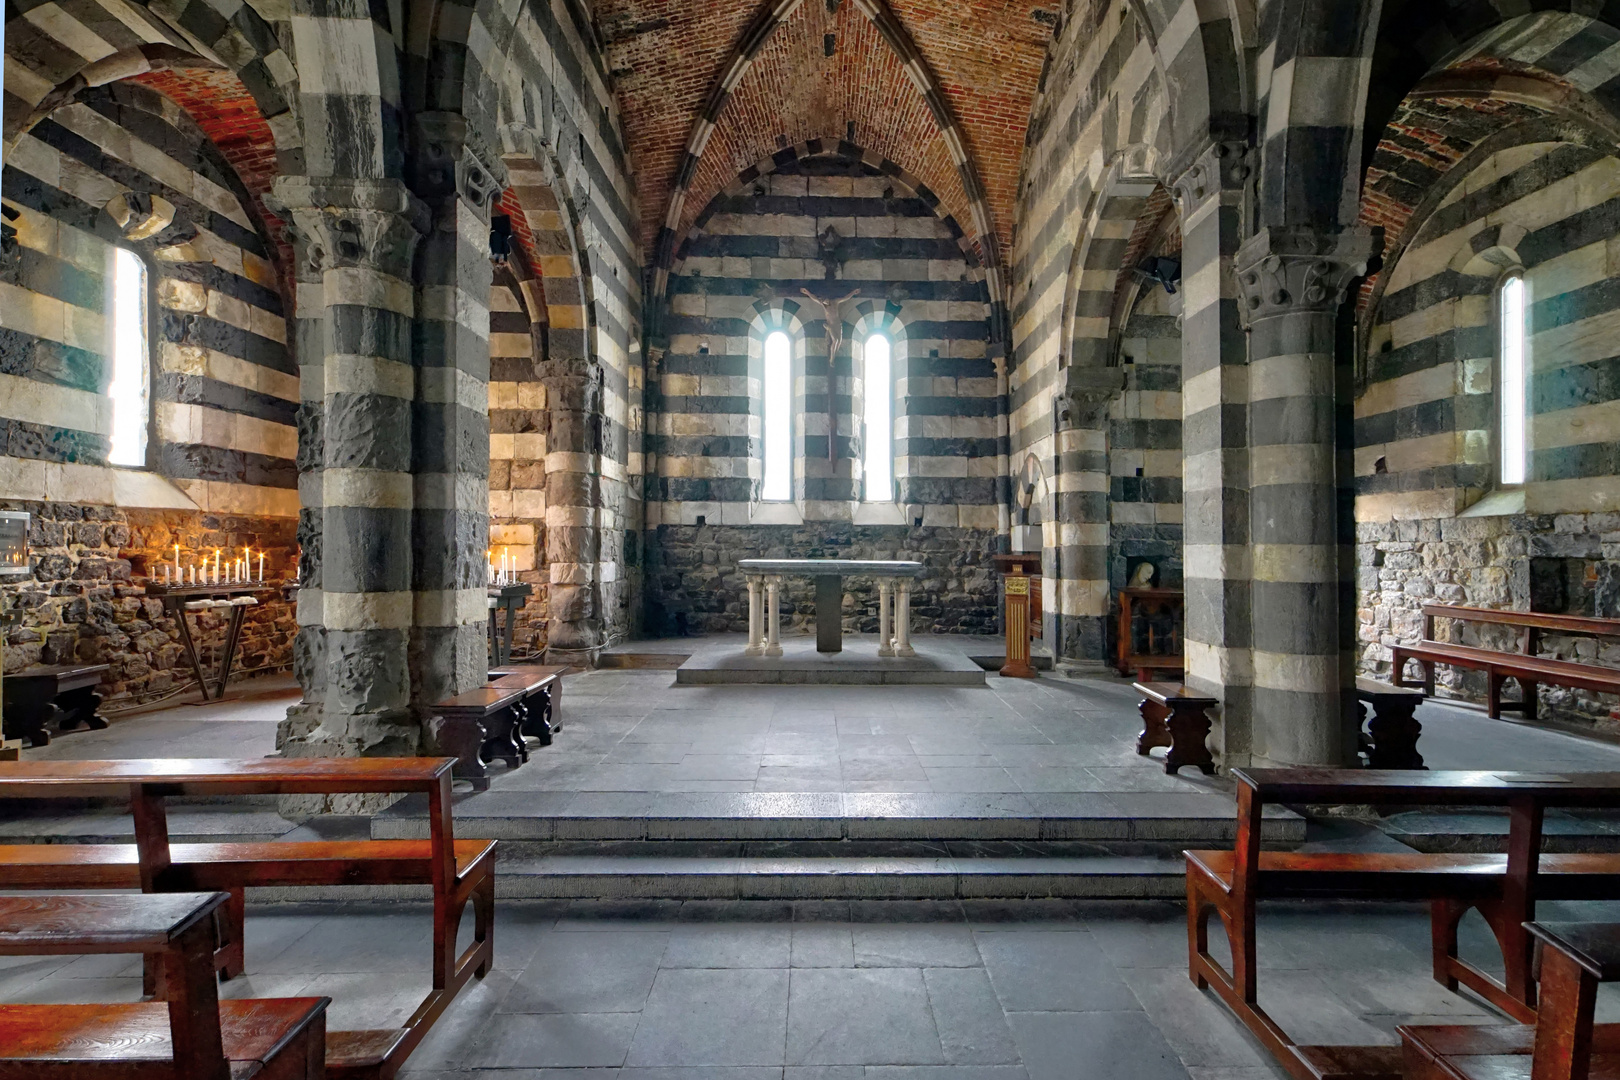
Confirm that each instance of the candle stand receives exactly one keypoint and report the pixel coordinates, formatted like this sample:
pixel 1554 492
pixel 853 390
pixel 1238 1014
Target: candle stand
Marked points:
pixel 177 600
pixel 507 598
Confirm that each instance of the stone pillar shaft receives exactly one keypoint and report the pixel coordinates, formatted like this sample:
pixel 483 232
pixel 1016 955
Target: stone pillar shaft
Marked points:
pixel 1080 593
pixel 902 621
pixel 1292 285
pixel 573 507
pixel 756 620
pixel 885 623
pixel 773 616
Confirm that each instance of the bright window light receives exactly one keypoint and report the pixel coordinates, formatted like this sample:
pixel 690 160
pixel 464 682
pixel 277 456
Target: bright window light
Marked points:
pixel 1510 394
pixel 778 418
pixel 130 379
pixel 879 466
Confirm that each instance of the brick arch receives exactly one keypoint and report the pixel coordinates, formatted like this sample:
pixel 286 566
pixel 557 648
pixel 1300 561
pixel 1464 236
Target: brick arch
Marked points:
pixel 1121 200
pixel 765 22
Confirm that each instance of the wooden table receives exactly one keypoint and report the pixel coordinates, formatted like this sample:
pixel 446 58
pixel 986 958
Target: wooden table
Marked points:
pixel 148 783
pixel 1504 890
pixel 176 597
pixel 1146 665
pixel 63 694
pixel 189 1034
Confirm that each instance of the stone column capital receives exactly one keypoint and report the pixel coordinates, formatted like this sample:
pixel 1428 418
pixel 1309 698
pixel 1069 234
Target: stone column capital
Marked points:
pixel 1223 165
pixel 1301 271
pixel 1086 394
pixel 450 160
pixel 339 222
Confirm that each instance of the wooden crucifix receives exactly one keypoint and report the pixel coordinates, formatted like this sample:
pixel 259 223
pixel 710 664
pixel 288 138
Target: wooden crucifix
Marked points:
pixel 833 320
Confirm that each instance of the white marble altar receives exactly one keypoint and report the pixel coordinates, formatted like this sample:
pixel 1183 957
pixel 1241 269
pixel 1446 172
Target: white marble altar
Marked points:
pixel 894 601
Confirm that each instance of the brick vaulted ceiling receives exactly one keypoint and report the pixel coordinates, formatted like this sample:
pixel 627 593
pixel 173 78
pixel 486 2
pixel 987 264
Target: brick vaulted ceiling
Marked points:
pixel 669 55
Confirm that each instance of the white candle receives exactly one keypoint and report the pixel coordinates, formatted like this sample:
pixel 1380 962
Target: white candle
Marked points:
pixel 194 573
pixel 261 566
pixel 216 566
pixel 165 573
pixel 177 560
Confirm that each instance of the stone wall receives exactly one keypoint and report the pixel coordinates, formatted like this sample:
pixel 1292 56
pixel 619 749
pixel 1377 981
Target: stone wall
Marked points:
pixel 87 601
pixel 695 586
pixel 1539 562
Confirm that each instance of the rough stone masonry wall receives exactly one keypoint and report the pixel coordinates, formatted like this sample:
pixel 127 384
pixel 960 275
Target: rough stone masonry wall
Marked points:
pixel 1535 562
pixel 696 587
pixel 87 602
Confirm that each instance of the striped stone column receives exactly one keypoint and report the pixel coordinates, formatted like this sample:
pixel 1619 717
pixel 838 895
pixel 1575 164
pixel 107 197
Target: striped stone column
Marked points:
pixel 450 413
pixel 1292 283
pixel 362 237
pixel 1080 495
pixel 1212 196
pixel 573 507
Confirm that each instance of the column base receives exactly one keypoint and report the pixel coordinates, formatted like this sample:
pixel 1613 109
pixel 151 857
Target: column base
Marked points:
pixel 585 659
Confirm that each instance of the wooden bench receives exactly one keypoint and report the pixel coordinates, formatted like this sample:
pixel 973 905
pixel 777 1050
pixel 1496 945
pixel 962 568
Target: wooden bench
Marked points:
pixel 1564 1044
pixel 1524 667
pixel 61 696
pixel 1390 741
pixel 540 712
pixel 459 872
pixel 1172 717
pixel 189 1035
pixel 1503 888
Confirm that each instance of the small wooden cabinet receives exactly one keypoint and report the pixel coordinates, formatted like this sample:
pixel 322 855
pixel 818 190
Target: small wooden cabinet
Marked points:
pixel 1164 613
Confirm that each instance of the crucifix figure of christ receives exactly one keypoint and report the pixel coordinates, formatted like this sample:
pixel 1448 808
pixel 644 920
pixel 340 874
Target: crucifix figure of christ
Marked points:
pixel 832 318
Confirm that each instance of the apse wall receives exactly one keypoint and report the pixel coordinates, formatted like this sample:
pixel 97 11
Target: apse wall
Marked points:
pixel 221 471
pixel 755 248
pixel 1433 521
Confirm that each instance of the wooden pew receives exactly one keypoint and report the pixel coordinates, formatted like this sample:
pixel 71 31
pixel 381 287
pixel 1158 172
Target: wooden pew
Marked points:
pixel 189 1035
pixel 1174 718
pixel 1393 730
pixel 60 696
pixel 540 713
pixel 1565 1044
pixel 458 872
pixel 1524 666
pixel 1504 888
pixel 491 722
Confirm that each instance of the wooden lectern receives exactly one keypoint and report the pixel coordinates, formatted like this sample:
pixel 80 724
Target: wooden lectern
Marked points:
pixel 1018 569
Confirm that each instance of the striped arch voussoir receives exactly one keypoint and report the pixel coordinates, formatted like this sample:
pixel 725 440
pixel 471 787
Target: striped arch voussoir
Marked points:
pixel 557 251
pixel 1117 203
pixel 773 315
pixel 872 318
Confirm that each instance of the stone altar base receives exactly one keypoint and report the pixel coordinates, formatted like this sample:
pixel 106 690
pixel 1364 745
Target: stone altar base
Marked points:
pixel 857 665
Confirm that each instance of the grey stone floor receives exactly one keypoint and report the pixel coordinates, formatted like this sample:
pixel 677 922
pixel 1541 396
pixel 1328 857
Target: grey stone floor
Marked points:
pixel 834 991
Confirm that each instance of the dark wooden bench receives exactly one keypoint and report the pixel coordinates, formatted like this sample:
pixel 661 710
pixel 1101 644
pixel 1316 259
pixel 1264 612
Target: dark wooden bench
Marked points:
pixel 1503 888
pixel 1390 741
pixel 459 872
pixel 490 723
pixel 1524 667
pixel 60 697
pixel 1565 1044
pixel 188 1035
pixel 1174 718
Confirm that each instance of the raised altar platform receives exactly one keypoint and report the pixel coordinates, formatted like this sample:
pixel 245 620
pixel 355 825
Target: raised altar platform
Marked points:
pixel 858 664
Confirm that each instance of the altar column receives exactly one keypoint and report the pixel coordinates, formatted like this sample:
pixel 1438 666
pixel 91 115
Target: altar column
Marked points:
pixel 885 626
pixel 773 616
pixel 755 622
pixel 902 621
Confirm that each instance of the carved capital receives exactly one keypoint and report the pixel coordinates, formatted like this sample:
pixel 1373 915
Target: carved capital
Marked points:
pixel 450 161
pixel 1297 271
pixel 1223 166
pixel 1083 402
pixel 373 224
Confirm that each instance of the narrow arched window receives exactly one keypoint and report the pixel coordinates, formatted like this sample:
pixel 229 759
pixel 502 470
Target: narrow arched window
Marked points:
pixel 778 418
pixel 878 439
pixel 130 388
pixel 1512 379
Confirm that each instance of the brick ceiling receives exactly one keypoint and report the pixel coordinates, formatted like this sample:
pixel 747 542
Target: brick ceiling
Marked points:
pixel 667 56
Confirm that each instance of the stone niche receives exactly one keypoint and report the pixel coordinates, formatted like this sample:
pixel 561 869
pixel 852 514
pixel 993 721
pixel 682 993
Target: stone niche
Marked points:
pixel 1563 564
pixel 87 601
pixel 694 587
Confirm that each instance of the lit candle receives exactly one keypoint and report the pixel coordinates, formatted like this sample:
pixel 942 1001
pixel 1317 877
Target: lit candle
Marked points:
pixel 177 560
pixel 489 561
pixel 261 566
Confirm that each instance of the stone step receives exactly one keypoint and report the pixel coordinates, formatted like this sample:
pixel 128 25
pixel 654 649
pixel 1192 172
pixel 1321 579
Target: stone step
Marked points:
pixel 942 878
pixel 642 661
pixel 1482 830
pixel 1122 817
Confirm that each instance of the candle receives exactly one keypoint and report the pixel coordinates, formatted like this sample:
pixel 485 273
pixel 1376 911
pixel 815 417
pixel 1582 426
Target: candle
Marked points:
pixel 261 566
pixel 216 566
pixel 489 561
pixel 177 560
pixel 165 573
pixel 194 573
